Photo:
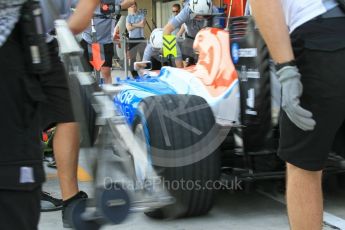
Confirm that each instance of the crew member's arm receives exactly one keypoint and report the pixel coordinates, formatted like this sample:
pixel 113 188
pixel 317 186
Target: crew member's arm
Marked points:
pixel 270 19
pixel 129 26
pixel 181 31
pixel 116 35
pixel 168 28
pixel 127 3
pixel 140 24
pixel 132 26
pixel 80 19
pixel 148 52
pixel 177 21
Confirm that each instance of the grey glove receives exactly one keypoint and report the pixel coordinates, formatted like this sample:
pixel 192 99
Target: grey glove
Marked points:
pixel 292 88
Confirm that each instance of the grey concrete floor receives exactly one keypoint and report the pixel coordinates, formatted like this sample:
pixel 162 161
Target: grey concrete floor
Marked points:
pixel 233 210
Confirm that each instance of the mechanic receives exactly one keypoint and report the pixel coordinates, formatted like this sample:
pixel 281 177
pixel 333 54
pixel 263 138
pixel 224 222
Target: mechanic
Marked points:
pixel 176 9
pixel 194 16
pixel 104 32
pixel 21 168
pixel 153 50
pixel 57 111
pixel 309 66
pixel 179 31
pixel 135 23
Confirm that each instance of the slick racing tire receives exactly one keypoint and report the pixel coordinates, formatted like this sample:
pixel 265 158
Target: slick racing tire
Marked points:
pixel 176 129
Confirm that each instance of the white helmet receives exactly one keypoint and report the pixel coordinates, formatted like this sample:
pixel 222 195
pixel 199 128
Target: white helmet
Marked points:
pixel 156 38
pixel 201 7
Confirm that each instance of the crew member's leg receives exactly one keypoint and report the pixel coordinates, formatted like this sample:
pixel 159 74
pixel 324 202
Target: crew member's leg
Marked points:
pixel 304 198
pixel 188 54
pixel 133 51
pixel 106 68
pixel 86 61
pixel 66 151
pixel 306 152
pixel 141 48
pixel 57 110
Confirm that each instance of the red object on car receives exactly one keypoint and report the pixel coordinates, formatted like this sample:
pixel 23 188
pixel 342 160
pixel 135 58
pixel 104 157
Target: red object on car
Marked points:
pixel 237 7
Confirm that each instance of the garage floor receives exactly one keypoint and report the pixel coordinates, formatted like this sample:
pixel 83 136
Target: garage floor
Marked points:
pixel 262 208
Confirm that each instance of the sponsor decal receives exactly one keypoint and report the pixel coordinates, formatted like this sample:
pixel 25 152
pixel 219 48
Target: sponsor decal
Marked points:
pixel 252 52
pixel 253 74
pixel 235 52
pixel 251 102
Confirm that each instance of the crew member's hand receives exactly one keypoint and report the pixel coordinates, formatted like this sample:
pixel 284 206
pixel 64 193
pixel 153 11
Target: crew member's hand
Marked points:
pixel 117 38
pixel 292 88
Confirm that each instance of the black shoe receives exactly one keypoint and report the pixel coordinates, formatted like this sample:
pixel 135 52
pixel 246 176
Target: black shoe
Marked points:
pixel 52 164
pixel 66 204
pixel 49 203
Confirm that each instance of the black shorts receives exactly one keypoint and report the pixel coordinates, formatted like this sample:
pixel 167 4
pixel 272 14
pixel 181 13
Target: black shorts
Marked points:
pixel 319 47
pixel 57 107
pixel 108 54
pixel 20 99
pixel 20 209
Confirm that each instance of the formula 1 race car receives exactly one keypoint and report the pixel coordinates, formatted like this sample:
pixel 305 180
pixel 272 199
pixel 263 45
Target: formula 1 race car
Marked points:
pixel 181 134
pixel 211 123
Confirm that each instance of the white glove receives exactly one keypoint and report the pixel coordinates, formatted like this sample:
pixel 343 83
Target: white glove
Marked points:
pixel 292 88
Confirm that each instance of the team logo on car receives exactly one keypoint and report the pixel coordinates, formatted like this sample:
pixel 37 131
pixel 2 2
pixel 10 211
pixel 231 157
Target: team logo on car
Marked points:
pixel 235 52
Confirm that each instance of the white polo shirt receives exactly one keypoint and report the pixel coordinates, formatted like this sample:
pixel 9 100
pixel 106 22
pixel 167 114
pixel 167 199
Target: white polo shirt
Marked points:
pixel 298 12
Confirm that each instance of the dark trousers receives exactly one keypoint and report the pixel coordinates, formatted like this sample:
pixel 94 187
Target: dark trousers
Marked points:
pixel 20 209
pixel 187 50
pixel 135 48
